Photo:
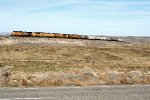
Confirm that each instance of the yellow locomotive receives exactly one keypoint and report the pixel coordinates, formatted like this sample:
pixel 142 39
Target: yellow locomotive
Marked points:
pixel 44 34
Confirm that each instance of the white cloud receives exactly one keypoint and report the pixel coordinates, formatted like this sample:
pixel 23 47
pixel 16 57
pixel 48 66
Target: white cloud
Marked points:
pixel 76 8
pixel 40 4
pixel 77 15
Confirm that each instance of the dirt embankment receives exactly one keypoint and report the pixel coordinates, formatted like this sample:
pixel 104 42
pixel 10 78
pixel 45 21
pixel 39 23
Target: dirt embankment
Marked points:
pixel 53 62
pixel 58 42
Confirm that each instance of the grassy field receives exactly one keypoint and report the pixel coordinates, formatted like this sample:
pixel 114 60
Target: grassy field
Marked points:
pixel 48 58
pixel 39 65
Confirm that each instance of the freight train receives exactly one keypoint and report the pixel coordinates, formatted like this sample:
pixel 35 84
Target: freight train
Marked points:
pixel 61 35
pixel 44 34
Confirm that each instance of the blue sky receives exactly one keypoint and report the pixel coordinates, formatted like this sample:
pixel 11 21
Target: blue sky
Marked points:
pixel 95 17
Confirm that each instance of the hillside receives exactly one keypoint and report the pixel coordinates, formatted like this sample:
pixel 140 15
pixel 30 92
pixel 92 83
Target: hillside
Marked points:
pixel 53 61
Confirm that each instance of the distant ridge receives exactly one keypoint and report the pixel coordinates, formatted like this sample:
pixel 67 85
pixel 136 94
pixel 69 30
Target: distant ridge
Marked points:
pixel 5 33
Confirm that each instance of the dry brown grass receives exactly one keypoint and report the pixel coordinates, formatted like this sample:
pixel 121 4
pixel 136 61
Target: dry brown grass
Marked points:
pixel 84 77
pixel 48 58
pixel 37 65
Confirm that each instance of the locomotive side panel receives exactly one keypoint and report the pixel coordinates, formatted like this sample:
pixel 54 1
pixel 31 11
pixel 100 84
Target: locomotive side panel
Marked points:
pixel 57 35
pixel 20 33
pixel 74 36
